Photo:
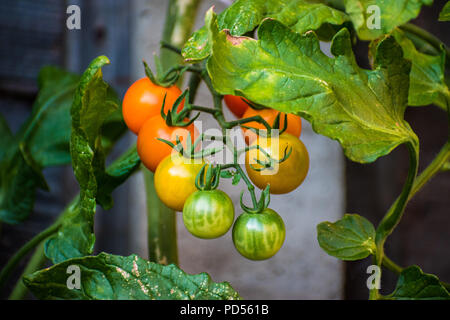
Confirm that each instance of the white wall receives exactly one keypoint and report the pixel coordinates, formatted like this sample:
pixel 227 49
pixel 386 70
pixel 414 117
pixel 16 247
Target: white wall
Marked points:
pixel 301 270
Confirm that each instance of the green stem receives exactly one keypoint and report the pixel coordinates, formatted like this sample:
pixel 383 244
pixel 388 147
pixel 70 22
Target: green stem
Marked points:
pixel 12 263
pixel 36 262
pixel 395 213
pixel 250 186
pixel 433 168
pixel 425 35
pixel 391 265
pixel 162 231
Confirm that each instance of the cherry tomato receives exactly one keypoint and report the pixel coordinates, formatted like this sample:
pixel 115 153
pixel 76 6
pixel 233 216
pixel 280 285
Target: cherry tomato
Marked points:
pixel 294 122
pixel 152 151
pixel 144 99
pixel 259 236
pixel 175 180
pixel 236 104
pixel 285 176
pixel 208 214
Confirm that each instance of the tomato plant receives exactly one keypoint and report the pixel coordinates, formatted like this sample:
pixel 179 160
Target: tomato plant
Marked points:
pixel 281 68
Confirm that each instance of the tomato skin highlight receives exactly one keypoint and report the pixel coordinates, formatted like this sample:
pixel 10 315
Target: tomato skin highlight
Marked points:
pixel 259 236
pixel 144 99
pixel 286 176
pixel 208 214
pixel 294 126
pixel 236 105
pixel 175 180
pixel 152 151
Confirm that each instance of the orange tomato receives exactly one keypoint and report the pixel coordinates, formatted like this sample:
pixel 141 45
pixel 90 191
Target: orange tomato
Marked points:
pixel 236 104
pixel 152 151
pixel 144 99
pixel 294 126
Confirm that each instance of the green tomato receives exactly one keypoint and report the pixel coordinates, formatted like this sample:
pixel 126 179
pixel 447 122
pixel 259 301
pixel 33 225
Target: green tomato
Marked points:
pixel 259 236
pixel 208 214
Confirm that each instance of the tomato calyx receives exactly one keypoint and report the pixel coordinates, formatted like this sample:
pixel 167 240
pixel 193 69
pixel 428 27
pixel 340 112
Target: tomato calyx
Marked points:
pixel 269 162
pixel 267 132
pixel 253 105
pixel 176 118
pixel 261 205
pixel 189 150
pixel 208 178
pixel 167 78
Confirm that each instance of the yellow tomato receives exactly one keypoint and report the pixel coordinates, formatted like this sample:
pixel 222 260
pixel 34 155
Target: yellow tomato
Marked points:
pixel 285 176
pixel 175 180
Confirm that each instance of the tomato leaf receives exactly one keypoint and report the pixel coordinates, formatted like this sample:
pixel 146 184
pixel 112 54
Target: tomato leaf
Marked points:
pixel 115 175
pixel 363 14
pixel 445 13
pixel 245 15
pixel 362 109
pixel 427 77
pixel 236 178
pixel 226 174
pixel 92 106
pixel 351 238
pixel 414 284
pixel 125 278
pixel 30 150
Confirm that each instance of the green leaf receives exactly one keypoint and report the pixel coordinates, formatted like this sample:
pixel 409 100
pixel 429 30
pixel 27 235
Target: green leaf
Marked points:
pixel 427 77
pixel 445 13
pixel 125 278
pixel 42 141
pixel 24 155
pixel 392 14
pixel 361 109
pixel 351 238
pixel 226 174
pixel 245 15
pixel 236 178
pixel 413 284
pixel 47 131
pixel 91 107
pixel 115 175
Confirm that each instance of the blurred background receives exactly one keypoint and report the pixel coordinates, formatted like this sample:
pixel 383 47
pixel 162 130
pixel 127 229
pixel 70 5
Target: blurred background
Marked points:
pixel 34 34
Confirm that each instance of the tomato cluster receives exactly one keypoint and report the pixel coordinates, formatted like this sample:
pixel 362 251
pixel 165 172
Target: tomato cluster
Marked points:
pixel 188 185
pixel 141 109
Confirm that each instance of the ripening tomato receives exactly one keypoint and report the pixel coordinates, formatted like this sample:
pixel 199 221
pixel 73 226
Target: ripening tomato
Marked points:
pixel 144 99
pixel 285 176
pixel 175 180
pixel 294 126
pixel 236 104
pixel 152 151
pixel 208 214
pixel 259 236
